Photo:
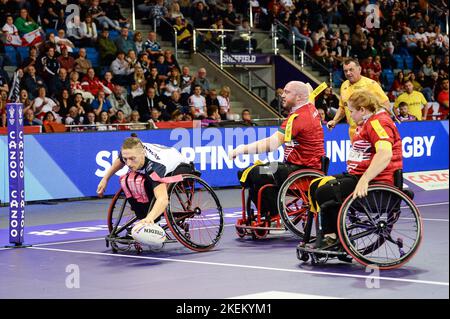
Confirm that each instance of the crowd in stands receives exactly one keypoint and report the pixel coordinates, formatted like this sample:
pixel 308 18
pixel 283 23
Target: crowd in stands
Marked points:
pixel 90 68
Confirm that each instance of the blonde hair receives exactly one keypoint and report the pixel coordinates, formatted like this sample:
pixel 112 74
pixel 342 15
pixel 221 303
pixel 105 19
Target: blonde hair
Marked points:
pixel 365 99
pixel 131 142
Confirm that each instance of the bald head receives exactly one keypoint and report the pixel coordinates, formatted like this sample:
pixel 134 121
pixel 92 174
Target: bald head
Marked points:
pixel 296 93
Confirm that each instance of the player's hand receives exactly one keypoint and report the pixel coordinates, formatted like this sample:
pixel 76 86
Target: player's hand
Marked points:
pixel 361 188
pixel 232 154
pixel 331 124
pixel 101 187
pixel 146 221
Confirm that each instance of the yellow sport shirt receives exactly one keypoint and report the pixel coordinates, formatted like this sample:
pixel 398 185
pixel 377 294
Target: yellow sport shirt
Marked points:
pixel 415 102
pixel 347 90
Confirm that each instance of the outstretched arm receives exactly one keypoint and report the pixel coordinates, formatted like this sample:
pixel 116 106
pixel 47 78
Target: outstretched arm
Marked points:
pixel 115 167
pixel 268 144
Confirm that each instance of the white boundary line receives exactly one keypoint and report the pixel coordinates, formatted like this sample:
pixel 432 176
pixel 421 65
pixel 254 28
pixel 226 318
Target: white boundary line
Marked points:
pixel 437 283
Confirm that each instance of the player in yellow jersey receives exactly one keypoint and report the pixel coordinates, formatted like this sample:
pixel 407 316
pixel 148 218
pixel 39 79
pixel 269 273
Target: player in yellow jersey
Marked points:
pixel 355 81
pixel 417 104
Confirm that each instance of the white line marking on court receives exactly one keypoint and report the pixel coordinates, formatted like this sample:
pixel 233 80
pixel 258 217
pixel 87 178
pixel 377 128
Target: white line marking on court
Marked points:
pixel 244 266
pixel 432 204
pixel 273 294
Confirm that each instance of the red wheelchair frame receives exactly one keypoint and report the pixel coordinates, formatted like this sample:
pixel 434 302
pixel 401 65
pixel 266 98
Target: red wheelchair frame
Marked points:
pixel 258 227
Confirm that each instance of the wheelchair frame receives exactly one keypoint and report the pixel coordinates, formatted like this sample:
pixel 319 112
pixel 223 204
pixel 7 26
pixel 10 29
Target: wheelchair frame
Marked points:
pixel 175 221
pixel 258 228
pixel 344 249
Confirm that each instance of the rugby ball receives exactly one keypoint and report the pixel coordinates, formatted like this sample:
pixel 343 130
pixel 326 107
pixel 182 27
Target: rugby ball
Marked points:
pixel 150 234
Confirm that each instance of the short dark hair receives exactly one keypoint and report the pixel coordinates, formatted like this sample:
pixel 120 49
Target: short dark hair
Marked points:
pixel 350 60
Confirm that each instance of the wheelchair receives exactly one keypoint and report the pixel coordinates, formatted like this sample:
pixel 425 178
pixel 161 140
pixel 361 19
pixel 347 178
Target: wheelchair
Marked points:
pixel 382 229
pixel 194 217
pixel 291 216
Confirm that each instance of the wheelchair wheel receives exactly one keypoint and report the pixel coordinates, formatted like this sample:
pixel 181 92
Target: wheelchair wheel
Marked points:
pixel 382 229
pixel 194 214
pixel 120 222
pixel 293 203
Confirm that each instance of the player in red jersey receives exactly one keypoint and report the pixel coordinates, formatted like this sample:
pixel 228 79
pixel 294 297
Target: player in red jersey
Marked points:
pixel 302 135
pixel 375 154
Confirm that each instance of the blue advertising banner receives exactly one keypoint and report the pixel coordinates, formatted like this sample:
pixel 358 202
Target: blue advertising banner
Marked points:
pixel 68 165
pixel 16 172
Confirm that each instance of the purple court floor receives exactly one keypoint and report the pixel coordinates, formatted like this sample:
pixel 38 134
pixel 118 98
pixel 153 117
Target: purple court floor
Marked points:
pixel 67 239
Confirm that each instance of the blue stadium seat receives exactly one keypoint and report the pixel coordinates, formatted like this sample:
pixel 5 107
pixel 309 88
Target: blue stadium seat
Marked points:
pixel 113 34
pixel 75 51
pixel 94 57
pixel 399 61
pixel 387 76
pixel 10 55
pixel 48 31
pixel 24 52
pixel 408 61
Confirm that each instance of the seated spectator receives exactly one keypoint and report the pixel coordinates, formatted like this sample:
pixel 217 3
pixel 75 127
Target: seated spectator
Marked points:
pixel 211 98
pixel 428 68
pixel 75 32
pixel 320 51
pixel 119 102
pixel 184 34
pixel 25 23
pixel 323 118
pixel 49 119
pixel 328 102
pixel 174 104
pixel 172 83
pixel 242 38
pixel 76 88
pixel 144 103
pixel 397 86
pixel 152 46
pixel 176 116
pixel 62 82
pixel 303 41
pixel 202 80
pixel 108 82
pixel 29 119
pixel 175 12
pixel 121 70
pixel 157 11
pixel 101 104
pixel 138 42
pixel 107 48
pixel 124 42
pixel 91 83
pixel 247 118
pixel 132 58
pixel 412 77
pixel 99 15
pixel 225 104
pixel 200 15
pixel 156 115
pixel 170 60
pixel 120 118
pixel 31 82
pixel 403 114
pixel 442 98
pixel 230 19
pixel 135 90
pixel 61 41
pixel 136 121
pixel 154 80
pixel 82 64
pixel 112 11
pixel 89 29
pixel 212 118
pixel 31 60
pixel 82 107
pixel 197 103
pixel 89 121
pixel 3 101
pixel 42 103
pixel 25 100
pixel 65 60
pixel 63 103
pixel 162 67
pixel 104 121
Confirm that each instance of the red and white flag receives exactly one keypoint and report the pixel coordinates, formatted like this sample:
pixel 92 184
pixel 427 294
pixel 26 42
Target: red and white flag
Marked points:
pixel 32 38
